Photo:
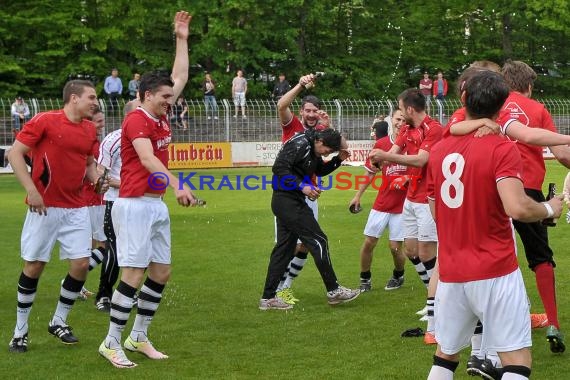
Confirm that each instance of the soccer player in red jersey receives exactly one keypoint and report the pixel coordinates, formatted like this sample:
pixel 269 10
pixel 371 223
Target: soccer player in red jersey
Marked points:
pixel 140 217
pixel 529 123
pixel 416 140
pixel 386 211
pixel 479 277
pixel 62 143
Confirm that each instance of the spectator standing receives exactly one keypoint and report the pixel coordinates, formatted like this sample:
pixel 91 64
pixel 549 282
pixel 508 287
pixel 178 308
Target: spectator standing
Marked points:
pixel 179 113
pixel 440 87
pixel 20 113
pixel 239 90
pixel 426 85
pixel 209 88
pixel 134 86
pixel 281 87
pixel 113 88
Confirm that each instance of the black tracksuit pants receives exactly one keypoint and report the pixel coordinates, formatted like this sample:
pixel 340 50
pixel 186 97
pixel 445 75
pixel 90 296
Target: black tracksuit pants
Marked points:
pixel 295 220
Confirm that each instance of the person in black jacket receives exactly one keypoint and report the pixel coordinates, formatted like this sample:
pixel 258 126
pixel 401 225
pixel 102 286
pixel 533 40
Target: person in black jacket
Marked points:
pixel 297 163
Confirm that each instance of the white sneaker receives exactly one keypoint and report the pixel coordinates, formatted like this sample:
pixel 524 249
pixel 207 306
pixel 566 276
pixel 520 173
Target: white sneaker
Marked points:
pixel 342 295
pixel 274 303
pixel 422 311
pixel 117 356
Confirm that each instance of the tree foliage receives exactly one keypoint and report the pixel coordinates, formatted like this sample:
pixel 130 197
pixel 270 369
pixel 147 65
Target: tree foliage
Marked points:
pixel 368 48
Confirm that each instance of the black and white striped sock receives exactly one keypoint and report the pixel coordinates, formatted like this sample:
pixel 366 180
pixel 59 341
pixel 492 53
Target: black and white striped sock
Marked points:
pixel 148 301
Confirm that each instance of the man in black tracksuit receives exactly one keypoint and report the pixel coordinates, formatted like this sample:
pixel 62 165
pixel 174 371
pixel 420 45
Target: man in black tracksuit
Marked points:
pixel 299 160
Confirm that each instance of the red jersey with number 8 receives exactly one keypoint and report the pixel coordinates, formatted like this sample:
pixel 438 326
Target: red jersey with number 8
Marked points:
pixel 476 237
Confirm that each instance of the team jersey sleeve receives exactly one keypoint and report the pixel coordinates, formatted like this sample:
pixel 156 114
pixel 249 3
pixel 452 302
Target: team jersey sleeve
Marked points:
pixel 108 148
pixel 547 122
pixel 508 162
pixel 32 132
pixel 135 126
pixel 430 177
pixel 458 116
pixel 432 137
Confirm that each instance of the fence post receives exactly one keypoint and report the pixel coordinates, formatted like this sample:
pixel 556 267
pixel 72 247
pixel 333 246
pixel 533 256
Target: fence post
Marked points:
pixel 439 110
pixel 339 114
pixel 227 110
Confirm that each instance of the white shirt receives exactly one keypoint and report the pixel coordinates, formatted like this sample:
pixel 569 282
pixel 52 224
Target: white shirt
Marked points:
pixel 110 157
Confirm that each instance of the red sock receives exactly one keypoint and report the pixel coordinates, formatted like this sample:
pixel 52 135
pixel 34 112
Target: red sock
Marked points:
pixel 545 284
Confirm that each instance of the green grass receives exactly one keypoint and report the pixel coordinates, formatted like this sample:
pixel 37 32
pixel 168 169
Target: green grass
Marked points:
pixel 209 323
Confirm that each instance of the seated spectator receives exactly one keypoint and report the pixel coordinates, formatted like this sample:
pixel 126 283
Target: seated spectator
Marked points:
pixel 20 113
pixel 179 114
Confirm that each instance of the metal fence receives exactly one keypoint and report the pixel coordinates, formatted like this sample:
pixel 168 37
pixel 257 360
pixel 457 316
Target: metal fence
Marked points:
pixel 351 116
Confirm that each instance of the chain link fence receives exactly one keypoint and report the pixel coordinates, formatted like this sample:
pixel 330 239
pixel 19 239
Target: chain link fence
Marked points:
pixel 351 116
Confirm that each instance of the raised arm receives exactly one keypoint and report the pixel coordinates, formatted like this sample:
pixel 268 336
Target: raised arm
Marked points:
pixel 181 61
pixel 283 105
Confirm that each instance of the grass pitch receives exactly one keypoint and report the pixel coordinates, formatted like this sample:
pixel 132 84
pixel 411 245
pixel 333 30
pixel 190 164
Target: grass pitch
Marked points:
pixel 209 323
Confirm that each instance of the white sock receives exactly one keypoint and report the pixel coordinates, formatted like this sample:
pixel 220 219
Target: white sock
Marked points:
pixel 440 373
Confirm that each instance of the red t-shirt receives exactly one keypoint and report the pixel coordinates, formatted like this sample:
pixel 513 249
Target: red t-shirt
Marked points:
pixel 90 197
pixel 475 235
pixel 391 201
pixel 59 151
pixel 134 176
pixel 291 128
pixel 534 115
pixel 411 140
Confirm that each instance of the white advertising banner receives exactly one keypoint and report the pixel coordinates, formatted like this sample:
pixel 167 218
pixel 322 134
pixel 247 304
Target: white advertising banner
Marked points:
pixel 264 153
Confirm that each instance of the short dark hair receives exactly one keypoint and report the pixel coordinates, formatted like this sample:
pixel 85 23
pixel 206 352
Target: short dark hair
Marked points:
pixel 519 75
pixel 330 138
pixel 76 86
pixel 152 82
pixel 413 97
pixel 312 100
pixel 485 94
pixel 380 129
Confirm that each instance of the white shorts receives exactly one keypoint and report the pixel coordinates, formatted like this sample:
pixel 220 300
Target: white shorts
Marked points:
pixel 500 303
pixel 69 226
pixel 313 205
pixel 239 99
pixel 418 222
pixel 97 216
pixel 142 226
pixel 378 221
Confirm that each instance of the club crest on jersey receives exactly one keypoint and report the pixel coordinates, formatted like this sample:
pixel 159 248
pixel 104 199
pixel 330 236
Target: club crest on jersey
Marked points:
pixel 516 112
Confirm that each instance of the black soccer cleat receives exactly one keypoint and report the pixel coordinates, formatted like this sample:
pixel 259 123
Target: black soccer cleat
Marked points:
pixel 63 333
pixel 19 344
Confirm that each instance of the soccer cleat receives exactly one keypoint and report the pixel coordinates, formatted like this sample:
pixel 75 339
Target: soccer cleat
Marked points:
pixel 274 303
pixel 422 311
pixel 556 339
pixel 104 304
pixel 483 368
pixel 365 285
pixel 538 321
pixel 424 318
pixel 84 294
pixel 63 333
pixel 116 356
pixel 429 338
pixel 342 295
pixel 287 296
pixel 394 283
pixel 19 344
pixel 145 348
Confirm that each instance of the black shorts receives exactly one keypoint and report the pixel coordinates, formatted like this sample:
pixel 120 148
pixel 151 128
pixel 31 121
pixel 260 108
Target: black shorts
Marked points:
pixel 534 237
